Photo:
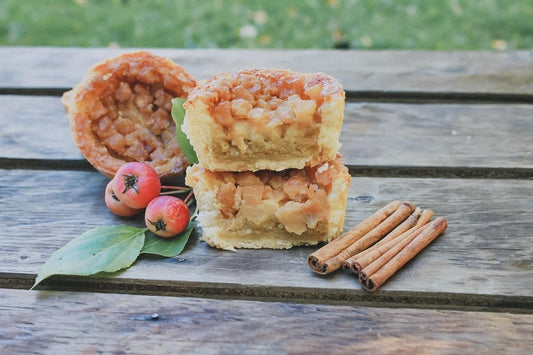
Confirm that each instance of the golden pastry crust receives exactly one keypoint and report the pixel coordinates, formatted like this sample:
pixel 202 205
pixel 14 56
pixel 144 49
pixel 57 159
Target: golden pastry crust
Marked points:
pixel 265 119
pixel 268 209
pixel 121 112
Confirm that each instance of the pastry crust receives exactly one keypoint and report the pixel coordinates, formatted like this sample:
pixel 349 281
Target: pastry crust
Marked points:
pixel 121 112
pixel 267 209
pixel 265 119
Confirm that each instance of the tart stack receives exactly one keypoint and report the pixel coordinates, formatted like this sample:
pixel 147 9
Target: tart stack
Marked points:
pixel 269 172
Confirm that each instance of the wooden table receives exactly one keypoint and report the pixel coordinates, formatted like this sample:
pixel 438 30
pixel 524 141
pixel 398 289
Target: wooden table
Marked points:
pixel 450 131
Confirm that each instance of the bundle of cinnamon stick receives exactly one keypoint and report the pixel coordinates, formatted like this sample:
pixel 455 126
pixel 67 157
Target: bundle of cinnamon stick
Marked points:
pixel 380 245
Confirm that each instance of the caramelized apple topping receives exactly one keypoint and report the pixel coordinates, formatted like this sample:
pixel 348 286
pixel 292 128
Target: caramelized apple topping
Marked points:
pixel 267 97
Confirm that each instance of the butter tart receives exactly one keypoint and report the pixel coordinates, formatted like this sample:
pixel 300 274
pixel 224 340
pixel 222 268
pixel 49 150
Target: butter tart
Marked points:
pixel 121 112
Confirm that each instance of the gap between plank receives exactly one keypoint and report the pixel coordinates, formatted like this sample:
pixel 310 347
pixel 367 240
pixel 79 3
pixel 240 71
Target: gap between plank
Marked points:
pixel 377 96
pixel 302 295
pixel 455 172
pixel 45 164
pixel 424 97
pixel 355 170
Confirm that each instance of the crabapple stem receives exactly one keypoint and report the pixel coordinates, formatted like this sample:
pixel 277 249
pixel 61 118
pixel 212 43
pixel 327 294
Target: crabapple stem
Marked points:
pixel 188 197
pixel 194 214
pixel 167 187
pixel 172 192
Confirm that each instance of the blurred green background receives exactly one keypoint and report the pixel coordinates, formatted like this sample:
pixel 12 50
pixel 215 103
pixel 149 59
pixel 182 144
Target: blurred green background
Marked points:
pixel 353 24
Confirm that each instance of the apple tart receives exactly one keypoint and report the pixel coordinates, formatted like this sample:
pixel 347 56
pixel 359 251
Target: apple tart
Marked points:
pixel 265 119
pixel 121 112
pixel 270 209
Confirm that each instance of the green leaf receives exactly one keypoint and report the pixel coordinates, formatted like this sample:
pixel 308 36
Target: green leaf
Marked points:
pixel 100 249
pixel 167 247
pixel 178 114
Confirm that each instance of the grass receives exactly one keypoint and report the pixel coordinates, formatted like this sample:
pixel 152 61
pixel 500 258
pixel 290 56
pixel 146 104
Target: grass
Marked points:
pixel 371 24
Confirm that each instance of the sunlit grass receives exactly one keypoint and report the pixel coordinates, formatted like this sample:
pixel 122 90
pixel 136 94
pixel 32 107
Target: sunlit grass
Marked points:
pixel 420 24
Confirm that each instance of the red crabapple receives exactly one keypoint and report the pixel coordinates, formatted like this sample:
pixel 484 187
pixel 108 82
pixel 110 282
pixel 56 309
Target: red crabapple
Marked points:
pixel 166 216
pixel 136 184
pixel 115 205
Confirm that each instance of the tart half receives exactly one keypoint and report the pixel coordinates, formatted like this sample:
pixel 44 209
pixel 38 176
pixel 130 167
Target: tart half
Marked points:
pixel 268 209
pixel 265 119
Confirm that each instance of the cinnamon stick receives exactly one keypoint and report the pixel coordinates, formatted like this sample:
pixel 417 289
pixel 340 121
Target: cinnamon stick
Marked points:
pixel 384 253
pixel 417 219
pixel 409 223
pixel 317 259
pixel 371 281
pixel 405 225
pixel 370 269
pixel 425 217
pixel 335 262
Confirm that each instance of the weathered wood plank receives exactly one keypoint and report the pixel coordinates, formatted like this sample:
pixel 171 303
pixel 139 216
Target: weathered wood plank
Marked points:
pixel 384 71
pixel 487 249
pixel 35 128
pixel 438 135
pixel 52 322
pixel 497 136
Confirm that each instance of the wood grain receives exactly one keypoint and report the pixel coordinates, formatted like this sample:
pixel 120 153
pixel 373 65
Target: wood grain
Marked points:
pixel 382 71
pixel 59 322
pixel 486 250
pixel 444 135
